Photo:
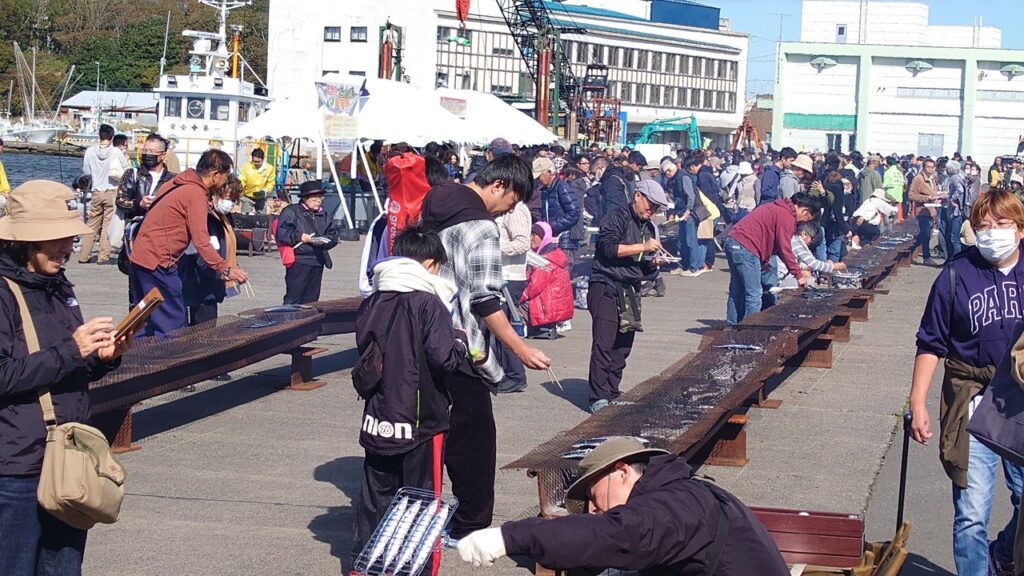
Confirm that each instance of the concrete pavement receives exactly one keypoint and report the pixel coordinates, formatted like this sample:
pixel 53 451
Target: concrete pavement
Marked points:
pixel 243 477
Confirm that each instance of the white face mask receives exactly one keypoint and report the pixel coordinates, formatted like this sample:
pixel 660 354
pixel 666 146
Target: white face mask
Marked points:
pixel 996 244
pixel 224 206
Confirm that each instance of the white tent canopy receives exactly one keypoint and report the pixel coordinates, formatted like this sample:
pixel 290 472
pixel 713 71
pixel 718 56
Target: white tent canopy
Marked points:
pixel 285 118
pixel 488 117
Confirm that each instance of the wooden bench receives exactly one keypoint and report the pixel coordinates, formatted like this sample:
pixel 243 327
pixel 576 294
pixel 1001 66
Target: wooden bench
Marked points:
pixel 816 543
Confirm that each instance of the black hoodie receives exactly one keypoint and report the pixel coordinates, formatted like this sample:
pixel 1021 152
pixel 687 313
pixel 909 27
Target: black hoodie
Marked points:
pixel 55 315
pixel 666 527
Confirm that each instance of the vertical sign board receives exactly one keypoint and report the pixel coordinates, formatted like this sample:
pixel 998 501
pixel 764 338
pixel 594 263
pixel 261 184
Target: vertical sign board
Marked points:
pixel 341 102
pixel 623 126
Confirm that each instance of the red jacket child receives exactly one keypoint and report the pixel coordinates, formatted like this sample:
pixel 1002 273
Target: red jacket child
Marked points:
pixel 548 292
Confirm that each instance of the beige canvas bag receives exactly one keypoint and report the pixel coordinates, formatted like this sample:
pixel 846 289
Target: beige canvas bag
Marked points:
pixel 82 483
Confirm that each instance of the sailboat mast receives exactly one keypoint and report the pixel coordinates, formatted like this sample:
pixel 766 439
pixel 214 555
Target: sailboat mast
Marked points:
pixel 163 56
pixel 32 110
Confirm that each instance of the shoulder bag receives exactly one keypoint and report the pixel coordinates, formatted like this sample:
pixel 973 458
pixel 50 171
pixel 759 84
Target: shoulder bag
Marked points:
pixel 998 421
pixel 81 484
pixel 368 372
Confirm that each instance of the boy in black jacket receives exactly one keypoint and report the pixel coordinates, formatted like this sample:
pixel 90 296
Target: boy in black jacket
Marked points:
pixel 408 316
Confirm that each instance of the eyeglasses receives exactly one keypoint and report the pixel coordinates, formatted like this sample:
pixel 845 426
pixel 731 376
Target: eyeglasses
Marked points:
pixel 1001 224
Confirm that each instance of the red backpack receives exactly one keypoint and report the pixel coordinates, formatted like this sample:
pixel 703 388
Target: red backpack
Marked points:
pixel 407 186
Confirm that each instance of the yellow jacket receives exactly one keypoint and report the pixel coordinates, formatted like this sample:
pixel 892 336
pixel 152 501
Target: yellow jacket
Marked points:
pixel 5 186
pixel 256 179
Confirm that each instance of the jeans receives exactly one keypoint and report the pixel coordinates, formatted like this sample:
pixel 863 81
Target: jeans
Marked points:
pixel 708 250
pixel 689 253
pixel 953 245
pixel 747 282
pixel 972 508
pixel 924 235
pixel 940 223
pixel 834 249
pixel 820 248
pixel 32 542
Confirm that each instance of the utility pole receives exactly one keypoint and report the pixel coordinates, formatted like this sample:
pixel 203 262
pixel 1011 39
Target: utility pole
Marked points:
pixel 778 44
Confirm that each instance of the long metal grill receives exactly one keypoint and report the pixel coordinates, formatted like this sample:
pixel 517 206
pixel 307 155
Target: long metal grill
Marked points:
pixel 155 366
pixel 681 409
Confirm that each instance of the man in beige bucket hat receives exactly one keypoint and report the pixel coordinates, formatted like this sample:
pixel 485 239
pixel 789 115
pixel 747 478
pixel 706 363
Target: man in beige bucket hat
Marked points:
pixel 645 513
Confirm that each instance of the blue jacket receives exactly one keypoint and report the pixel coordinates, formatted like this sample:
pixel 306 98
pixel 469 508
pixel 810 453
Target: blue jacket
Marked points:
pixel 560 208
pixel 770 177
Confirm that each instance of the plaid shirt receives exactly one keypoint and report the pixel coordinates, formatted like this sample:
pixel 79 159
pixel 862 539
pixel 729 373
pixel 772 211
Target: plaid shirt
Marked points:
pixel 474 265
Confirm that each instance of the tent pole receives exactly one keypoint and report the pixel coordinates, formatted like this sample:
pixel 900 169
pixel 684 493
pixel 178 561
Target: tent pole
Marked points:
pixel 373 181
pixel 337 184
pixel 319 159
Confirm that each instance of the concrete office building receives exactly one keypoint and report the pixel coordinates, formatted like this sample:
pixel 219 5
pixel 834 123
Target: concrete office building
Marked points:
pixel 666 58
pixel 876 76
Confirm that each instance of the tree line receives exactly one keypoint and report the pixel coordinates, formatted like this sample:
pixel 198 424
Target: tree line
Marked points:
pixel 126 37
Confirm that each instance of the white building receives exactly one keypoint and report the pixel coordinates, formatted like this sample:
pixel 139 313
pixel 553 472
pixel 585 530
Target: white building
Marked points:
pixel 875 76
pixel 665 58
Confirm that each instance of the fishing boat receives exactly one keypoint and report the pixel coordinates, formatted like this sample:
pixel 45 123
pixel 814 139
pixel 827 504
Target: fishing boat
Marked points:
pixel 205 108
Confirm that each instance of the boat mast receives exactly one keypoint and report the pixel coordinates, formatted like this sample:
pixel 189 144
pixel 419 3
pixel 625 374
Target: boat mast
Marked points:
pixel 163 56
pixel 32 110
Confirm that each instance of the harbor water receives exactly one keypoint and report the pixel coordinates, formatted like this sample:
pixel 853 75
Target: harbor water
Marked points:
pixel 24 167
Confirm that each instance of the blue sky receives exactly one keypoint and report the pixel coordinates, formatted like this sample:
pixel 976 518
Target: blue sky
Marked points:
pixel 758 18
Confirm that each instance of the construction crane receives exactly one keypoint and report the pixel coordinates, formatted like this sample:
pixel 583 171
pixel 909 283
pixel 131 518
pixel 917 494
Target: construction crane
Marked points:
pixel 539 41
pixel 681 124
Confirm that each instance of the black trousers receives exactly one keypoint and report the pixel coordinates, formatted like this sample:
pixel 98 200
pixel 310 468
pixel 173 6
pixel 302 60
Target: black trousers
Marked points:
pixel 202 313
pixel 302 283
pixel 470 451
pixel 384 475
pixel 610 348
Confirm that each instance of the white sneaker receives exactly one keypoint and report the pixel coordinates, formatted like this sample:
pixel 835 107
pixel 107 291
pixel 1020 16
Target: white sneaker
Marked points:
pixel 684 273
pixel 701 272
pixel 564 327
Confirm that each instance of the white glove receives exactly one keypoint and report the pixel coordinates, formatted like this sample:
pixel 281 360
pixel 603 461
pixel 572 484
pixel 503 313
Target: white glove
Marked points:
pixel 483 547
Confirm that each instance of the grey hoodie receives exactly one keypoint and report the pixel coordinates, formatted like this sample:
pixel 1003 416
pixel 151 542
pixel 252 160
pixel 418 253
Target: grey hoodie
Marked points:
pixel 101 162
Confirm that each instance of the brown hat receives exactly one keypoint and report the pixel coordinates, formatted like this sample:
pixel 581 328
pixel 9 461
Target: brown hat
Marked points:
pixel 599 461
pixel 41 210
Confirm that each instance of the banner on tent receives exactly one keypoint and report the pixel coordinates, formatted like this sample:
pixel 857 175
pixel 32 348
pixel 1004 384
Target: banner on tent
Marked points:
pixel 340 98
pixel 456 106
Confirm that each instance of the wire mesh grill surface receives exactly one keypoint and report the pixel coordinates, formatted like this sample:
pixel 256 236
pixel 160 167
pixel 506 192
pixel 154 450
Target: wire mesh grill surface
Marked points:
pixel 680 408
pixel 409 533
pixel 157 365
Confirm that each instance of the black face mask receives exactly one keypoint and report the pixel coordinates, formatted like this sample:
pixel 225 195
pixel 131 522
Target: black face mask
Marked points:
pixel 150 161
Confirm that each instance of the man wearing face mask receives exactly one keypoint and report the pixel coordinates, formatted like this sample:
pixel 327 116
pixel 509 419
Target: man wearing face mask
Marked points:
pixel 138 186
pixel 310 229
pixel 973 306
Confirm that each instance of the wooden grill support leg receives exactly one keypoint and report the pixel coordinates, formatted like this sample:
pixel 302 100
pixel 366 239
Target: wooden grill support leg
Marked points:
pixel 858 308
pixel 762 401
pixel 818 354
pixel 116 425
pixel 839 329
pixel 302 369
pixel 729 447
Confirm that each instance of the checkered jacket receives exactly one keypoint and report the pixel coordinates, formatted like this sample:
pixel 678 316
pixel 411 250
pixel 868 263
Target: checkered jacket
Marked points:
pixel 474 265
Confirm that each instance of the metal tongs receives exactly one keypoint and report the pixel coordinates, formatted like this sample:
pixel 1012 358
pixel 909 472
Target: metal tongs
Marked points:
pixel 664 255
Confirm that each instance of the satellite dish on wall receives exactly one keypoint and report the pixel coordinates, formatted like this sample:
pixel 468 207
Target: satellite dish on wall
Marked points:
pixel 917 66
pixel 822 62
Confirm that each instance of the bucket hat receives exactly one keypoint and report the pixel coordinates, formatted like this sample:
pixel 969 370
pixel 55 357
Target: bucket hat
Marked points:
pixel 41 210
pixel 542 165
pixel 746 169
pixel 804 162
pixel 599 461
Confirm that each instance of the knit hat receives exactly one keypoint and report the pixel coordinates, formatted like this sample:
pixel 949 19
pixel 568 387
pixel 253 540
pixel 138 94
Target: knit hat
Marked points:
pixel 499 147
pixel 41 210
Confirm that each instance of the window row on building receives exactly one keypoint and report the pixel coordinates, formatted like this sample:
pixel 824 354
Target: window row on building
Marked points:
pixel 649 60
pixel 355 34
pixel 659 96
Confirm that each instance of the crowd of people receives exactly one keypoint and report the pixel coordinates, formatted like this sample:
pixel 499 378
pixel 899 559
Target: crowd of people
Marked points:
pixel 468 264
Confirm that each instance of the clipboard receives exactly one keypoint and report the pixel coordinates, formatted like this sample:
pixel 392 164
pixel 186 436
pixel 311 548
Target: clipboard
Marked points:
pixel 133 321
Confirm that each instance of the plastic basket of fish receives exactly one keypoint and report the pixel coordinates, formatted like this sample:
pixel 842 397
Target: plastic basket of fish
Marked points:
pixel 406 538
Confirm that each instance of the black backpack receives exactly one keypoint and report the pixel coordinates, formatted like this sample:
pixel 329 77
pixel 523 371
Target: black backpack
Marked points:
pixel 368 372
